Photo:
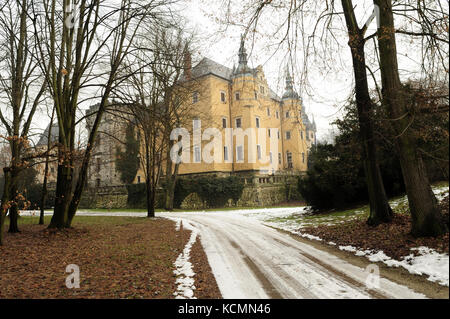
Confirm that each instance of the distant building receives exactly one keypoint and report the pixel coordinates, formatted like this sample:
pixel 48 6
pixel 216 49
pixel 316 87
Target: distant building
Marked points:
pixel 41 147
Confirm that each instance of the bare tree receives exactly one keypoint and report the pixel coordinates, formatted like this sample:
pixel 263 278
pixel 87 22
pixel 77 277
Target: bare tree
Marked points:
pixel 425 21
pixel 157 97
pixel 293 23
pixel 425 214
pixel 21 90
pixel 86 47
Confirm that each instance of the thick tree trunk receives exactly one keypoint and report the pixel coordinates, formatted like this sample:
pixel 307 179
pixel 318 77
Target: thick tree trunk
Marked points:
pixel 426 217
pixel 150 202
pixel 14 209
pixel 13 219
pixel 63 191
pixel 6 197
pixel 380 211
pixel 14 192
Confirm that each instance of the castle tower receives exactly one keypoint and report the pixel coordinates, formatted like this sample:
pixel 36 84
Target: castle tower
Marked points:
pixel 294 131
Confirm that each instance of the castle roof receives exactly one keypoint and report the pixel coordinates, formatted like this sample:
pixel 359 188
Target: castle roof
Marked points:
pixel 207 66
pixel 43 140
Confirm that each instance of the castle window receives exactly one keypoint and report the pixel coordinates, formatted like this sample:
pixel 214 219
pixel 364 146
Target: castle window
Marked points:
pixel 258 151
pixel 287 114
pixel 256 95
pixel 224 122
pixel 139 179
pixel 238 96
pixel 312 135
pixel 257 122
pixel 238 122
pixel 279 158
pixel 277 114
pixel 278 134
pixel 268 111
pixel 289 159
pixel 223 97
pixel 269 131
pixel 270 155
pixel 195 97
pixel 301 135
pixel 225 153
pixel 239 153
pixel 99 163
pixel 261 89
pixel 303 157
pixel 288 135
pixel 197 157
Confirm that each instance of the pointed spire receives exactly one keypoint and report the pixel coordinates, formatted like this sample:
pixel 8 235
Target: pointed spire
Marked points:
pixel 242 52
pixel 289 92
pixel 289 82
pixel 242 67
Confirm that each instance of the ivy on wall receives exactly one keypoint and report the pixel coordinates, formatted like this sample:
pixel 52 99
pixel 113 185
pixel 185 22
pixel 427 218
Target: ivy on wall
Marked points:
pixel 214 191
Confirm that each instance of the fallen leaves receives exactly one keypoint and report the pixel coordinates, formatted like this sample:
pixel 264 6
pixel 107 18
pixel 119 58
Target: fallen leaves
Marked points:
pixel 133 260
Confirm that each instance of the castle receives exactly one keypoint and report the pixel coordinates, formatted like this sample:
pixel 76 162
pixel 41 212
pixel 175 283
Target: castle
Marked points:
pixel 224 99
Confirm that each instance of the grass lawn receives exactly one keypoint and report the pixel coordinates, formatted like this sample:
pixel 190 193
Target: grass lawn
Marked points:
pixel 399 204
pixel 118 257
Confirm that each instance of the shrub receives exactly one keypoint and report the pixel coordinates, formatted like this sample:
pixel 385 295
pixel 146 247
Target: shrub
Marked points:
pixel 213 190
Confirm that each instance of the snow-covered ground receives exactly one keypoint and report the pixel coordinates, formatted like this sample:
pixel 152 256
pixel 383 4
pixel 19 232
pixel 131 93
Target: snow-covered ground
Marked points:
pixel 251 260
pixel 430 263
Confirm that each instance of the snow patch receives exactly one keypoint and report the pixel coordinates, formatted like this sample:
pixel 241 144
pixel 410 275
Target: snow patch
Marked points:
pixel 183 267
pixel 312 237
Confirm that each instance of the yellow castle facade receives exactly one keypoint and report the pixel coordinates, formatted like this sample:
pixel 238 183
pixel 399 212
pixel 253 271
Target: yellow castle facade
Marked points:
pixel 277 131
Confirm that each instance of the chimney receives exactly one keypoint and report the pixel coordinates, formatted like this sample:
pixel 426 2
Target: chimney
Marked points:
pixel 187 64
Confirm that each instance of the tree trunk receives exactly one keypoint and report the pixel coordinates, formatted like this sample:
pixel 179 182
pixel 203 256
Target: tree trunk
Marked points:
pixel 150 201
pixel 44 193
pixel 63 191
pixel 14 175
pixel 6 197
pixel 171 179
pixel 44 184
pixel 380 211
pixel 426 217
